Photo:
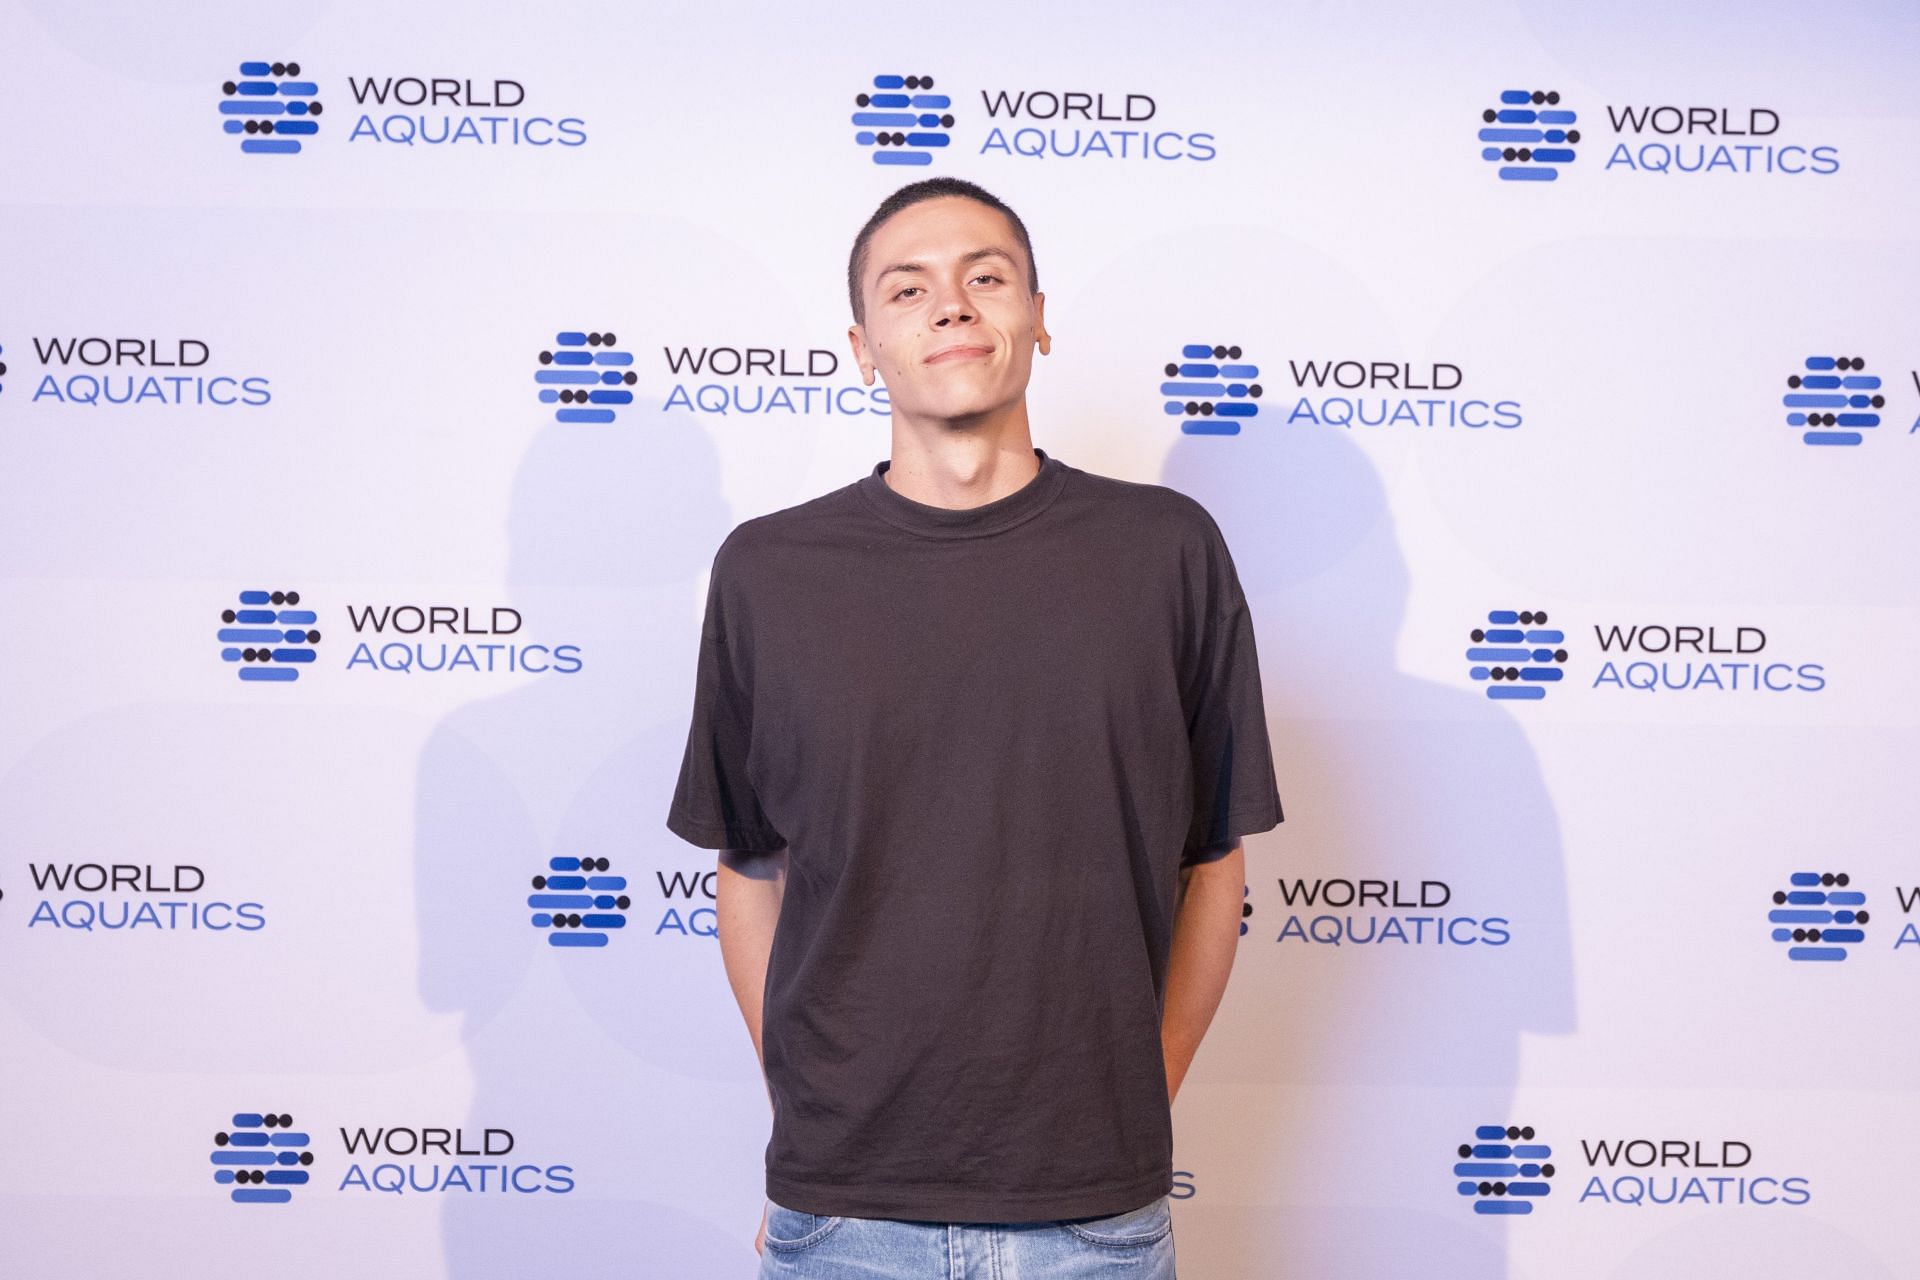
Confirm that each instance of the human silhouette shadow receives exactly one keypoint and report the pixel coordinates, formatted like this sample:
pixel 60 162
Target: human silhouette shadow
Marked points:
pixel 608 1060
pixel 1345 1077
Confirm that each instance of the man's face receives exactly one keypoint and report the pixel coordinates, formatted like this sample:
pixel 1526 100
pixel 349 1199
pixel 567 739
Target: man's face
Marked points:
pixel 950 324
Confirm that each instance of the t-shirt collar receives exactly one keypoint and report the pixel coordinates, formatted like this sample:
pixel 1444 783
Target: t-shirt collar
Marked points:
pixel 964 522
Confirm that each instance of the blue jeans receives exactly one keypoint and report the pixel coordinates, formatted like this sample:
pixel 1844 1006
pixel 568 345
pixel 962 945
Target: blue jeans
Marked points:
pixel 811 1246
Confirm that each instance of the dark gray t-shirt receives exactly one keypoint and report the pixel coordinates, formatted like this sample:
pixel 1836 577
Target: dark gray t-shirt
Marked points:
pixel 989 738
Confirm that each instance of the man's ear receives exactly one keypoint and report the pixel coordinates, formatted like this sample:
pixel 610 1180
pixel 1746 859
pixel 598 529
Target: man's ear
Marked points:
pixel 857 339
pixel 1040 333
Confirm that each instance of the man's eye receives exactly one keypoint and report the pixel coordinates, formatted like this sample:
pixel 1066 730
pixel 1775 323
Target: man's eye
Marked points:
pixel 995 279
pixel 904 292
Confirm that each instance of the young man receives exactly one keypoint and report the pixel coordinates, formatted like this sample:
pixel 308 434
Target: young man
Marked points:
pixel 979 733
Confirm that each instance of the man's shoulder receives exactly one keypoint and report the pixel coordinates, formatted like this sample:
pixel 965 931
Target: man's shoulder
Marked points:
pixel 1146 507
pixel 758 536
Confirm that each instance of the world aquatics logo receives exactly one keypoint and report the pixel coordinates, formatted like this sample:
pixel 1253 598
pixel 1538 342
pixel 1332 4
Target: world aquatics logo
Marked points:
pixel 262 1157
pixel 270 107
pixel 587 383
pixel 1843 400
pixel 901 120
pixel 1210 390
pixel 1528 135
pixel 1818 917
pixel 1516 654
pixel 278 637
pixel 1503 1170
pixel 575 905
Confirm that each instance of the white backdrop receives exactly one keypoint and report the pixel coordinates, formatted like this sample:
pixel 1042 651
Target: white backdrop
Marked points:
pixel 325 909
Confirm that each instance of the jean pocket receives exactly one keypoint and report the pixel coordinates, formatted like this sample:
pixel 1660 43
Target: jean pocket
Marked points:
pixel 790 1230
pixel 1136 1227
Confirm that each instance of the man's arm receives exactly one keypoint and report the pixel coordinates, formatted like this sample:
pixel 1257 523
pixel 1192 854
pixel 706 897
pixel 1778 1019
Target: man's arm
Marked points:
pixel 1206 937
pixel 746 901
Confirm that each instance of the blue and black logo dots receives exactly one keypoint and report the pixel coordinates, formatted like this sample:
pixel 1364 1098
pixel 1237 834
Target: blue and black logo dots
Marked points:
pixel 575 905
pixel 902 121
pixel 279 637
pixel 1512 656
pixel 590 376
pixel 1503 1169
pixel 1837 392
pixel 1528 135
pixel 271 107
pixel 1209 390
pixel 262 1157
pixel 1818 917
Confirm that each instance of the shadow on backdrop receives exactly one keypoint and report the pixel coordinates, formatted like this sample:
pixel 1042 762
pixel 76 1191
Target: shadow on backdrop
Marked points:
pixel 599 1059
pixel 1355 1069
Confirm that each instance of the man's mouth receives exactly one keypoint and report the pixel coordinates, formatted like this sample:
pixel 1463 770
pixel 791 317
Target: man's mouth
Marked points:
pixel 969 351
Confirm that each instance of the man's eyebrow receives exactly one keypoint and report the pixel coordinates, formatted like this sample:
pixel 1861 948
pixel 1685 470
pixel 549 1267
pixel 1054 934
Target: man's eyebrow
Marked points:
pixel 972 256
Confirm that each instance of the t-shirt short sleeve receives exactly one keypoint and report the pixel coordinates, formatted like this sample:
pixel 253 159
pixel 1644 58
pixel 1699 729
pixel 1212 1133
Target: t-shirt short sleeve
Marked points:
pixel 714 805
pixel 1234 790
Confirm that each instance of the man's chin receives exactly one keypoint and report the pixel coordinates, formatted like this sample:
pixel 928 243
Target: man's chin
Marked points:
pixel 959 411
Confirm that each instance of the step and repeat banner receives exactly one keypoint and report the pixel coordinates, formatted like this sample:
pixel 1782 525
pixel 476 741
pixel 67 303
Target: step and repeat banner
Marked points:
pixel 377 382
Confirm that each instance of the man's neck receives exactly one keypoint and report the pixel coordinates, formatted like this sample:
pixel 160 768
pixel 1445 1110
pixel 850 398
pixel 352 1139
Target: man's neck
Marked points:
pixel 959 467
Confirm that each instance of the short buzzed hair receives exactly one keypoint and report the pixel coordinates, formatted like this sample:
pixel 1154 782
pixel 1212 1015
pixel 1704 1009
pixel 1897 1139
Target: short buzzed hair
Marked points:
pixel 911 194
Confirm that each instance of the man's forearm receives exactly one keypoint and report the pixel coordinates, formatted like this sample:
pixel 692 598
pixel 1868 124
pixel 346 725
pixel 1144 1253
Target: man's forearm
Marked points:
pixel 748 892
pixel 1206 937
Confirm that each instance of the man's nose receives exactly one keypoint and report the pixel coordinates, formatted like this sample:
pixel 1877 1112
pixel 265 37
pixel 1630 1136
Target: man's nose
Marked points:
pixel 952 309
